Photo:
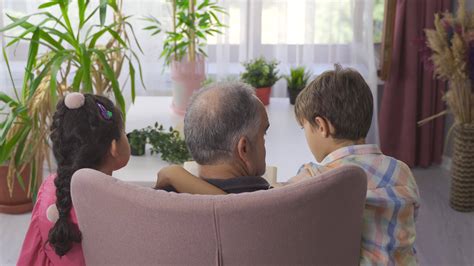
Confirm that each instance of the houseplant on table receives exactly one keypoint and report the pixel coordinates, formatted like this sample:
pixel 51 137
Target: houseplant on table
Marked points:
pixel 297 81
pixel 184 43
pixel 169 144
pixel 137 140
pixel 81 58
pixel 452 46
pixel 261 75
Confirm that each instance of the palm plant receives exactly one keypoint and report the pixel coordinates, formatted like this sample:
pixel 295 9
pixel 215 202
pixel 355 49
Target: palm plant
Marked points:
pixel 75 60
pixel 191 24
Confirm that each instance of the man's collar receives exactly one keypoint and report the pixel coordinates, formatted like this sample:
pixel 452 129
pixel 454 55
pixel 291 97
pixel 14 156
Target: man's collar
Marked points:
pixel 351 150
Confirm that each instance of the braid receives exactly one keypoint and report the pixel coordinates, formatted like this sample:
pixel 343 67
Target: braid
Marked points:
pixel 81 139
pixel 64 233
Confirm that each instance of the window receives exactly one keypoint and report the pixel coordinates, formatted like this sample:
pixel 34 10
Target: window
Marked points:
pixel 379 6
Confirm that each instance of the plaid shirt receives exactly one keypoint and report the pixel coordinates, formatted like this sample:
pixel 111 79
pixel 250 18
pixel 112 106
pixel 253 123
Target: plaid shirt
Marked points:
pixel 391 206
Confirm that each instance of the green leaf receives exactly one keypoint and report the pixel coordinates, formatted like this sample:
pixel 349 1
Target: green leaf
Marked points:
pixel 96 37
pixel 140 72
pixel 82 9
pixel 134 36
pixel 43 35
pixel 132 79
pixel 110 75
pixel 7 99
pixel 32 53
pixel 86 65
pixel 57 20
pixel 7 62
pixel 20 181
pixel 20 37
pixel 113 4
pixel 91 14
pixel 116 35
pixel 150 28
pixel 64 11
pixel 202 52
pixel 54 72
pixel 48 4
pixel 6 127
pixel 63 36
pixel 21 144
pixel 103 11
pixel 76 84
pixel 37 81
pixel 16 22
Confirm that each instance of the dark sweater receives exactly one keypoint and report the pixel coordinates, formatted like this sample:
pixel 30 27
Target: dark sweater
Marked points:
pixel 236 184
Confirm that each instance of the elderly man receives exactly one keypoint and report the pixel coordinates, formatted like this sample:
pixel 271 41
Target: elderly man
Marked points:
pixel 224 129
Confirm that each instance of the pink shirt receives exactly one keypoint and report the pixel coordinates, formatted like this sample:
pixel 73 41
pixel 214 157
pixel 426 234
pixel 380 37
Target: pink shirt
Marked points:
pixel 36 250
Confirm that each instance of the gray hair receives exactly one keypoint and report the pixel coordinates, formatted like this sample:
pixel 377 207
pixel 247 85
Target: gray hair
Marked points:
pixel 217 117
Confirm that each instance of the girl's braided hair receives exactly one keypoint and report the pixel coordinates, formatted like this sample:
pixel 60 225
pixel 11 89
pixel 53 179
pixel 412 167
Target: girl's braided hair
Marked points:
pixel 81 138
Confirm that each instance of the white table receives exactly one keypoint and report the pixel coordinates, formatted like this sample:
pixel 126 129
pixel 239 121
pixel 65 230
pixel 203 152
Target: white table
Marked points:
pixel 285 143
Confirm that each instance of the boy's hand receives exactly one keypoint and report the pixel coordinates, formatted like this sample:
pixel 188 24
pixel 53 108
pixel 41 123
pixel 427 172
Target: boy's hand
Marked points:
pixel 165 175
pixel 306 171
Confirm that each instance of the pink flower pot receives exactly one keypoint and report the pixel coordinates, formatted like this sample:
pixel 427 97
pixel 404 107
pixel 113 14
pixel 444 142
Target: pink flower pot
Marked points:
pixel 187 78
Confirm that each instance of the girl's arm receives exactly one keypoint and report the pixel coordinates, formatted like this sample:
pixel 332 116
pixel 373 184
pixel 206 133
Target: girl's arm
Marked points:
pixel 185 182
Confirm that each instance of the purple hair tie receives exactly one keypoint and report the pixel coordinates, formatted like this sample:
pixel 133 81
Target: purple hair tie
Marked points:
pixel 107 115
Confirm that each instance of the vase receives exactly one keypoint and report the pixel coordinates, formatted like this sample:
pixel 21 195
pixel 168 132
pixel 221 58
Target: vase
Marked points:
pixel 264 94
pixel 18 202
pixel 462 169
pixel 187 78
pixel 293 94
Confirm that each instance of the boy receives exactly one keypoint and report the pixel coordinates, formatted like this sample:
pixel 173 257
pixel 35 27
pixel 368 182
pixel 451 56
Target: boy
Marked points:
pixel 335 111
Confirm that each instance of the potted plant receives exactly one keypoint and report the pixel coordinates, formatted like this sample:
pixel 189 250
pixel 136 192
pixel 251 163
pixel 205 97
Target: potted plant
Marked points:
pixel 297 81
pixel 452 47
pixel 137 140
pixel 169 145
pixel 184 43
pixel 261 75
pixel 75 59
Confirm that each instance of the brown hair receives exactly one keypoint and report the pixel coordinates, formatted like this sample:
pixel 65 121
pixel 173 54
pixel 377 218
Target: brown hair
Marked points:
pixel 81 139
pixel 340 96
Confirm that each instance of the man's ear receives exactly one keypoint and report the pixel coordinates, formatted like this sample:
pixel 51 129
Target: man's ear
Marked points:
pixel 114 149
pixel 323 126
pixel 243 149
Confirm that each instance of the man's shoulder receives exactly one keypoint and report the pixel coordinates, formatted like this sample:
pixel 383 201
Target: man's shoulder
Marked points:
pixel 240 184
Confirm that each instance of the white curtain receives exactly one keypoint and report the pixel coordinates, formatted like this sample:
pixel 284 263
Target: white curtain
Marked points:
pixel 312 33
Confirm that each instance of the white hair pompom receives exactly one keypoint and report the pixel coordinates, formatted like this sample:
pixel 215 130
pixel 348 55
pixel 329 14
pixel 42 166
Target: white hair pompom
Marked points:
pixel 74 100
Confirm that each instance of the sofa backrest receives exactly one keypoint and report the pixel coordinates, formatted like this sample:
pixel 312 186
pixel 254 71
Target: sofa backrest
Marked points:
pixel 316 221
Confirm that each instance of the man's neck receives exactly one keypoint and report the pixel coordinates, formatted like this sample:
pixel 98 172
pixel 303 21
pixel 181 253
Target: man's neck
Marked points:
pixel 221 171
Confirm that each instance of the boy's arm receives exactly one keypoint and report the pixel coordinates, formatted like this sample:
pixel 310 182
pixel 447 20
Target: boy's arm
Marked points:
pixel 184 182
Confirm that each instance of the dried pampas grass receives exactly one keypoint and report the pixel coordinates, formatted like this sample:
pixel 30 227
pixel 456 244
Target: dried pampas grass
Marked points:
pixel 450 42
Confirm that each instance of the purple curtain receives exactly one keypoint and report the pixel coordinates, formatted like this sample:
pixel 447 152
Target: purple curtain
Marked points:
pixel 411 93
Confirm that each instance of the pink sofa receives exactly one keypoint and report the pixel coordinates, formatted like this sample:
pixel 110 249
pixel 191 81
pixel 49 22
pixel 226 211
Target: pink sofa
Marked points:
pixel 315 222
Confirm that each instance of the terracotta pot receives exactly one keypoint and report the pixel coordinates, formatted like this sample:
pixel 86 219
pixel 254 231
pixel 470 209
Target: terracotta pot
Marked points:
pixel 187 78
pixel 264 94
pixel 19 202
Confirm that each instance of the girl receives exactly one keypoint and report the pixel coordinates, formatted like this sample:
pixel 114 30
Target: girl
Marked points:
pixel 87 132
